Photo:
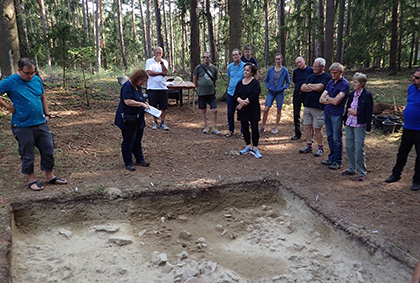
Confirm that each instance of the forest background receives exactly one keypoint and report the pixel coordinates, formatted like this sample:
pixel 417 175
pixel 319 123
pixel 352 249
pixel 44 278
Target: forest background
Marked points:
pixel 119 35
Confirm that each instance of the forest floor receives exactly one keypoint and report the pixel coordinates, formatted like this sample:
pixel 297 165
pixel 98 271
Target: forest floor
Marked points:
pixel 88 156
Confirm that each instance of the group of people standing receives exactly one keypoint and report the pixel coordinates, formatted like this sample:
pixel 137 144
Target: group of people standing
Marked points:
pixel 326 100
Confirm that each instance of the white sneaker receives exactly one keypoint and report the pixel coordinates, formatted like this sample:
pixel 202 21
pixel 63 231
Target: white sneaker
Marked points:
pixel 274 131
pixel 164 127
pixel 155 126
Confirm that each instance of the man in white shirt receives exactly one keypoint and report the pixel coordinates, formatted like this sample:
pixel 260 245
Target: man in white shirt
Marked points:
pixel 157 69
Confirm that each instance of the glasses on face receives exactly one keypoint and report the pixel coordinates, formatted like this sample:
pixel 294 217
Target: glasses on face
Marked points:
pixel 28 73
pixel 206 57
pixel 334 73
pixel 416 78
pixel 316 66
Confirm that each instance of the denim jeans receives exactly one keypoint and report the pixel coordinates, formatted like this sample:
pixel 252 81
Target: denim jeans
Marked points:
pixel 231 105
pixel 333 128
pixel 131 144
pixel 355 148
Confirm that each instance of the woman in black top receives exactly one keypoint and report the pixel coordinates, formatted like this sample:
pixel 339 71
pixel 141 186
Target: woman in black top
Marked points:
pixel 130 119
pixel 247 94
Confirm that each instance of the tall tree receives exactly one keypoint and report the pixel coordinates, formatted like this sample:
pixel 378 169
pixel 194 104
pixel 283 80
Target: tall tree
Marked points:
pixel 281 47
pixel 158 25
pixel 320 30
pixel 211 32
pixel 235 24
pixel 98 36
pixel 394 39
pixel 148 30
pixel 266 43
pixel 9 50
pixel 329 33
pixel 194 36
pixel 340 31
pixel 121 34
pixel 145 42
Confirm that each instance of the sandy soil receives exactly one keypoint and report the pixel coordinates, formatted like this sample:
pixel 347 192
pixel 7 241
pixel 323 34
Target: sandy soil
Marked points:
pixel 252 233
pixel 88 155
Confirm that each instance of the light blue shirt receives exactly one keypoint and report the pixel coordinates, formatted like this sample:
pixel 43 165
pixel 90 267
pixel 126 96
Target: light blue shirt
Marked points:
pixel 26 98
pixel 236 74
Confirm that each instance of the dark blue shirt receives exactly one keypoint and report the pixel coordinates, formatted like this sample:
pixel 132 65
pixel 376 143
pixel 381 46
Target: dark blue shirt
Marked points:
pixel 299 77
pixel 129 92
pixel 312 97
pixel 334 88
pixel 412 109
pixel 251 60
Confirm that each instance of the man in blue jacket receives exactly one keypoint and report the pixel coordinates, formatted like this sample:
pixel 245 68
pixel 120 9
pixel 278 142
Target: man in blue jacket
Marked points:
pixel 411 134
pixel 30 117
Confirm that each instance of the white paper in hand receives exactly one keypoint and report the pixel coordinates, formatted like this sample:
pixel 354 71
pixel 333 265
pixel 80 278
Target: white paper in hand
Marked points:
pixel 153 111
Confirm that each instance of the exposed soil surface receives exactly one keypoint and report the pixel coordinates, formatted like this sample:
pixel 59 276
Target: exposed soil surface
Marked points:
pixel 247 232
pixel 88 156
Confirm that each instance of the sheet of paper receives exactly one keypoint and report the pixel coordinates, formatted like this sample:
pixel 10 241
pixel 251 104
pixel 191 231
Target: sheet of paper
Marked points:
pixel 153 111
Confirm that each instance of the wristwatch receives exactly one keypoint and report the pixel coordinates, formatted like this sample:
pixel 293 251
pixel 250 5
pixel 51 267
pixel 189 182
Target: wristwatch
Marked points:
pixel 47 115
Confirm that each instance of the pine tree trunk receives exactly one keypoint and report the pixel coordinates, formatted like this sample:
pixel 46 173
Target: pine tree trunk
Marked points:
pixel 235 24
pixel 121 35
pixel 148 30
pixel 340 31
pixel 158 25
pixel 266 45
pixel 146 55
pixel 329 33
pixel 9 49
pixel 394 39
pixel 320 33
pixel 194 36
pixel 171 40
pixel 211 32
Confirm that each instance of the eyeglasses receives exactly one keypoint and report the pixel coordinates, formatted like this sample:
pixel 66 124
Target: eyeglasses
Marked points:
pixel 316 66
pixel 28 74
pixel 416 78
pixel 206 57
pixel 334 73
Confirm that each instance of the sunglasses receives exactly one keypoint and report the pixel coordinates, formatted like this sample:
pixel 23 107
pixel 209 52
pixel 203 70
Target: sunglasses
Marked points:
pixel 415 77
pixel 206 57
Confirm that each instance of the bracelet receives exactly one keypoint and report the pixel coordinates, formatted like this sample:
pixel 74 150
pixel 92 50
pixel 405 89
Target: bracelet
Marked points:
pixel 47 115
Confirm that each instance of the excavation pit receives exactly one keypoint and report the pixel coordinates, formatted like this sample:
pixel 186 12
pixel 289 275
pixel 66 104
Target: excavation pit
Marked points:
pixel 252 232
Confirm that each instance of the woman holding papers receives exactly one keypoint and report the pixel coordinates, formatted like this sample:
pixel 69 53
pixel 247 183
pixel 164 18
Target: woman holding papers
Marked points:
pixel 130 119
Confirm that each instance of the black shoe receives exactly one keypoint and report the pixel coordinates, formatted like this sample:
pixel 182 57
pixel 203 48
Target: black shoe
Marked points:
pixel 334 166
pixel 415 187
pixel 393 178
pixel 143 163
pixel 295 138
pixel 130 168
pixel 326 162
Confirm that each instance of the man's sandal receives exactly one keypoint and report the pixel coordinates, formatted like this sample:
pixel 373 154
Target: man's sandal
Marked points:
pixel 35 186
pixel 57 181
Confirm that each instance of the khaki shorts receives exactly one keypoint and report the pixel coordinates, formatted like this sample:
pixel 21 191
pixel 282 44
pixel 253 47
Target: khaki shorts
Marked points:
pixel 314 117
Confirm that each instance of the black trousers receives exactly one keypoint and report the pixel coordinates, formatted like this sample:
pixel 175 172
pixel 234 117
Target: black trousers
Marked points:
pixel 408 139
pixel 297 106
pixel 247 135
pixel 131 145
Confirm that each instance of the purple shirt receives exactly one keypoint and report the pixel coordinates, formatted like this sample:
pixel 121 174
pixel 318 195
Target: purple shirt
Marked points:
pixel 352 119
pixel 334 88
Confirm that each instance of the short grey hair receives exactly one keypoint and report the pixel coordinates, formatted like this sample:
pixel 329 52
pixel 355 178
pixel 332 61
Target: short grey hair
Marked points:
pixel 320 60
pixel 337 67
pixel 361 78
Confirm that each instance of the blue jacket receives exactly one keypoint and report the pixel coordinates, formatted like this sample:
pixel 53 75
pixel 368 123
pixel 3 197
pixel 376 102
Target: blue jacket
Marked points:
pixel 282 84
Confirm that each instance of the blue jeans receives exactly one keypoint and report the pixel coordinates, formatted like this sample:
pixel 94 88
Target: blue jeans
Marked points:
pixel 333 128
pixel 231 105
pixel 355 148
